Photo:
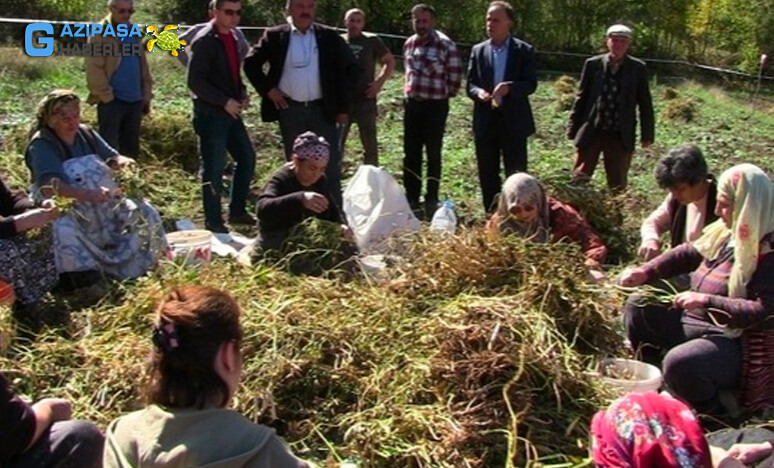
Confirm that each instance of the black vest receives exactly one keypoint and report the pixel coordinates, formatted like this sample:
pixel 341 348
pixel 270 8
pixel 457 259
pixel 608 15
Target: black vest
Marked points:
pixel 680 214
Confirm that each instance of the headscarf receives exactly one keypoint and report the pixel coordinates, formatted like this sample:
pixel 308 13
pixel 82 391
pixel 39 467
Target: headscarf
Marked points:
pixel 310 146
pixel 751 194
pixel 50 105
pixel 523 189
pixel 644 430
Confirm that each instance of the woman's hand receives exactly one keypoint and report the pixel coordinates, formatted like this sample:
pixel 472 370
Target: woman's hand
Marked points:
pixel 315 202
pixel 691 300
pixel 649 250
pixel 120 162
pixel 347 233
pixel 100 195
pixel 36 218
pixel 597 276
pixel 750 453
pixel 633 277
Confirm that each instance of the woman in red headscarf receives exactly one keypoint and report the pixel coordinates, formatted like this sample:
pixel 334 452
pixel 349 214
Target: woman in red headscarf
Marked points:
pixel 643 430
pixel 651 430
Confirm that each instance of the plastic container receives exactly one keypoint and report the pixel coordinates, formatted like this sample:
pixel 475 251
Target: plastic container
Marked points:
pixel 195 246
pixel 641 376
pixel 444 220
pixel 7 295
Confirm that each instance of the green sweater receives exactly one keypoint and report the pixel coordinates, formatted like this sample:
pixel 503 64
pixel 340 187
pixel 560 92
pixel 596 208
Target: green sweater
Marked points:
pixel 210 438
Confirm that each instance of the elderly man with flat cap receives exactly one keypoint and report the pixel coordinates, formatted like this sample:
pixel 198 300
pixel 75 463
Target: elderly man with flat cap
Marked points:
pixel 603 118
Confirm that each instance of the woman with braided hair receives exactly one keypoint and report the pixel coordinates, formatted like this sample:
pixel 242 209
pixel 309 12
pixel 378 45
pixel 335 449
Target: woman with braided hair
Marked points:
pixel 195 368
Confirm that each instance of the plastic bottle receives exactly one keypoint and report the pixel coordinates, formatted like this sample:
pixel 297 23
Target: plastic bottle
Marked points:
pixel 444 220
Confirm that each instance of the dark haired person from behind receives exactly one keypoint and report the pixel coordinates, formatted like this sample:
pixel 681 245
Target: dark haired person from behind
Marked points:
pixel 689 206
pixel 195 368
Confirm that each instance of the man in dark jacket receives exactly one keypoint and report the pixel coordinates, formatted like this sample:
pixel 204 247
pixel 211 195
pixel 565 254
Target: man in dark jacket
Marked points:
pixel 501 76
pixel 219 98
pixel 603 116
pixel 309 81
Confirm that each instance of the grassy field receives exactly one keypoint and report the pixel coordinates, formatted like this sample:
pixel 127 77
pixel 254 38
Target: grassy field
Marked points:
pixel 475 353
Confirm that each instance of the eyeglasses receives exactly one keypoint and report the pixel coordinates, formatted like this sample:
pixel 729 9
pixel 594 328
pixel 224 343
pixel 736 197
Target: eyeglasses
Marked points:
pixel 230 12
pixel 123 11
pixel 522 209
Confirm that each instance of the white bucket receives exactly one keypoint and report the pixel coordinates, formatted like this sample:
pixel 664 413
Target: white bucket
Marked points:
pixel 643 377
pixel 195 246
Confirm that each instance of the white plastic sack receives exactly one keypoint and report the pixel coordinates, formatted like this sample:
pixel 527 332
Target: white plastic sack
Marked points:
pixel 376 209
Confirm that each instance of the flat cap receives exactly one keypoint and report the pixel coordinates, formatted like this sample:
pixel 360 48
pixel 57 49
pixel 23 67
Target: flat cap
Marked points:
pixel 619 30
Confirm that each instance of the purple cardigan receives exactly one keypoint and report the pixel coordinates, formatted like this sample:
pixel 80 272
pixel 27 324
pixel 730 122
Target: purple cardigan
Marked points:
pixel 755 314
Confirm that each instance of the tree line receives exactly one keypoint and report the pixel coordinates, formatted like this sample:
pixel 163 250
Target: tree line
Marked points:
pixel 728 33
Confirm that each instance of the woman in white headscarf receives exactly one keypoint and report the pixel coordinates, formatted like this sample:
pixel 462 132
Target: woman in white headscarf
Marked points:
pixel 719 335
pixel 525 210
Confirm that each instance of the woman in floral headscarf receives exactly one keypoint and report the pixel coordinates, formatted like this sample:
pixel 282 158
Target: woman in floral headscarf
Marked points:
pixel 644 430
pixel 526 211
pixel 718 338
pixel 298 190
pixel 296 196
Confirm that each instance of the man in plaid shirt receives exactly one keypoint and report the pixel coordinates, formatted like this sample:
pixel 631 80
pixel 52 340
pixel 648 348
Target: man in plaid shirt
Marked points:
pixel 433 75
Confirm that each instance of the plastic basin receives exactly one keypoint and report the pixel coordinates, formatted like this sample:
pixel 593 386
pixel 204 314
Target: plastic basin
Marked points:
pixel 194 246
pixel 628 375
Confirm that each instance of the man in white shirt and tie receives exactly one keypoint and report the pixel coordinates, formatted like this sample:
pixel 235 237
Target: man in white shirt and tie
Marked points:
pixel 309 81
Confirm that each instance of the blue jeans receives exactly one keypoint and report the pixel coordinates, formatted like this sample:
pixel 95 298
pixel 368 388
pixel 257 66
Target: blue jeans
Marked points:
pixel 299 118
pixel 218 133
pixel 119 124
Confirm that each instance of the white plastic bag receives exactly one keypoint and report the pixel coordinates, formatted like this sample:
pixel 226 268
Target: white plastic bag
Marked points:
pixel 376 209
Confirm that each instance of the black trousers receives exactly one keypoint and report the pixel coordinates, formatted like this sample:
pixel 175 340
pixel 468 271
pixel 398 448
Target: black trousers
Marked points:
pixel 424 123
pixel 494 144
pixel 696 358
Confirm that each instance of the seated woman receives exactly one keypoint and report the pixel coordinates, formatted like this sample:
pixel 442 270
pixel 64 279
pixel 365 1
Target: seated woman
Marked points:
pixel 42 434
pixel 656 430
pixel 297 191
pixel 718 336
pixel 689 206
pixel 195 370
pixel 104 233
pixel 526 211
pixel 648 430
pixel 26 264
pixel 296 211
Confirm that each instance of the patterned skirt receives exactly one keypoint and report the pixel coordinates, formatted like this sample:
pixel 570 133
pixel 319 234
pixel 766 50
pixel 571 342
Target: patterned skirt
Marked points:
pixel 29 266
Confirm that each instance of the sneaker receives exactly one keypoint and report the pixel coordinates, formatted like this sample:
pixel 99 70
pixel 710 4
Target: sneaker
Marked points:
pixel 217 228
pixel 242 218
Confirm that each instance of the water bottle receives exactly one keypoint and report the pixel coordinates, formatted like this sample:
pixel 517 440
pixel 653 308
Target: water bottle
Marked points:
pixel 444 220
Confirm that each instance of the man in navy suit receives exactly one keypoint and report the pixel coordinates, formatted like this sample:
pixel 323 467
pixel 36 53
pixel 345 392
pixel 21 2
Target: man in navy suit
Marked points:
pixel 501 76
pixel 308 85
